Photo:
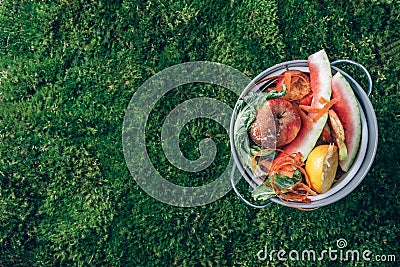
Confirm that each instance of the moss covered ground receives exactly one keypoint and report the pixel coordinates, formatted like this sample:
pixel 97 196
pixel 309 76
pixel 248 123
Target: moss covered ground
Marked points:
pixel 68 69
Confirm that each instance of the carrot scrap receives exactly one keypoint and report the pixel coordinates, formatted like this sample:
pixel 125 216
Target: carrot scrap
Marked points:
pixel 299 193
pixel 285 168
pixel 307 121
pixel 325 109
pixel 309 108
pixel 320 111
pixel 286 171
pixel 304 187
pixel 277 164
pixel 295 197
pixel 322 100
pixel 254 161
pixel 288 78
pixel 286 164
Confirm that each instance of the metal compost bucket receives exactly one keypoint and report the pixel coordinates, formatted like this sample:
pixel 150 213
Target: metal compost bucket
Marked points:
pixel 366 153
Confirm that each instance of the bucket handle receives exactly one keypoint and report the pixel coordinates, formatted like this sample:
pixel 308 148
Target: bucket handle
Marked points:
pixel 248 203
pixel 360 67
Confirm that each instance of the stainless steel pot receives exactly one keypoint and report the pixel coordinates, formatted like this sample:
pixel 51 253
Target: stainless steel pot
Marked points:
pixel 366 154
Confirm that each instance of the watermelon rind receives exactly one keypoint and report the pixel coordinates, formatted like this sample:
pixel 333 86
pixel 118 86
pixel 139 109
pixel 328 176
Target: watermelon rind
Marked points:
pixel 348 111
pixel 320 78
pixel 320 81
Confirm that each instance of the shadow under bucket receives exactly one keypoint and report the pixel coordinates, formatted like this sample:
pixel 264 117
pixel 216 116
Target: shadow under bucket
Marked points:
pixel 366 153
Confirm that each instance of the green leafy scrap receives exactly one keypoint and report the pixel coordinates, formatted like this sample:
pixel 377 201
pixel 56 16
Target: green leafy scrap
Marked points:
pixel 264 191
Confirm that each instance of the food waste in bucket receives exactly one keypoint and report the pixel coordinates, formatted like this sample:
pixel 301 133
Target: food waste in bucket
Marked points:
pixel 273 156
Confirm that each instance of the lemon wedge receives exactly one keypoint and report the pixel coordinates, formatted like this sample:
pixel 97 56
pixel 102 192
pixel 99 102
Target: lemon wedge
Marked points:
pixel 321 166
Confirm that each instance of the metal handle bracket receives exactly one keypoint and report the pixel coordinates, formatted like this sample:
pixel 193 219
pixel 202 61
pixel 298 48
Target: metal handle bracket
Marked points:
pixel 351 62
pixel 248 203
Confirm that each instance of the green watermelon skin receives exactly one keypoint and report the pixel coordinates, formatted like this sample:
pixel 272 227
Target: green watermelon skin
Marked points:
pixel 348 112
pixel 320 81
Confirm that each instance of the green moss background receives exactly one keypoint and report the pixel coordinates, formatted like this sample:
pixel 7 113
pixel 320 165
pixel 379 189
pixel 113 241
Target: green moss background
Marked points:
pixel 67 72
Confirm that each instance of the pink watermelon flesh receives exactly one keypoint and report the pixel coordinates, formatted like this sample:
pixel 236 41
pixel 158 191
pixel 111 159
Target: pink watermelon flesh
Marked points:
pixel 320 77
pixel 349 114
pixel 320 81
